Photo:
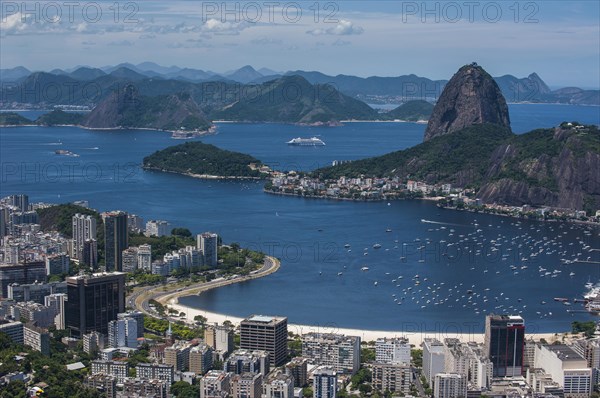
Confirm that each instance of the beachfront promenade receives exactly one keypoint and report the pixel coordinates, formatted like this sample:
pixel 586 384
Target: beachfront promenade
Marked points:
pixel 169 298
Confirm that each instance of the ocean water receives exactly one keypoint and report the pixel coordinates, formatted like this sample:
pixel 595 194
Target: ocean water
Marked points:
pixel 467 264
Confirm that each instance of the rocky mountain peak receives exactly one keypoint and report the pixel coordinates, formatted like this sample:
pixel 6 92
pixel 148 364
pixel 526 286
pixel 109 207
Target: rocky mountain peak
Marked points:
pixel 471 97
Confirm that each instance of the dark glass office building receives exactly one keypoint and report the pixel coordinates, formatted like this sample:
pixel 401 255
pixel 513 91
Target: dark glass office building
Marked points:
pixel 505 343
pixel 116 239
pixel 94 301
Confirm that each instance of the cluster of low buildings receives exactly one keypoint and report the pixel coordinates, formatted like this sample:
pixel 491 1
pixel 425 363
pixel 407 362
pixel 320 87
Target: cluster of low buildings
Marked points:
pixel 464 202
pixel 390 188
pixel 359 188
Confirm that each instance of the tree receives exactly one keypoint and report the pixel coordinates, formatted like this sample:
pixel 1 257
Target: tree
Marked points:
pixel 365 388
pixel 417 357
pixel 184 232
pixel 367 355
pixel 181 389
pixel 200 319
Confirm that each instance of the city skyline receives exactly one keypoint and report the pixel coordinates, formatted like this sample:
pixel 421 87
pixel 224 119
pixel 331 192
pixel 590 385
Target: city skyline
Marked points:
pixel 356 39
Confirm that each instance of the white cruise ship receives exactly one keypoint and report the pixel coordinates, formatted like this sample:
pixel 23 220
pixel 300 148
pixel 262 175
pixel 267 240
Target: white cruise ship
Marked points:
pixel 314 141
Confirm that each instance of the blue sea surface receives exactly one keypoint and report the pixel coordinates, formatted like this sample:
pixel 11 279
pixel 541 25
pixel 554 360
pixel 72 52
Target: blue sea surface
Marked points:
pixel 467 264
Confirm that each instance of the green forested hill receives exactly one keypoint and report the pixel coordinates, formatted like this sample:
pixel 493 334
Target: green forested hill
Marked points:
pixel 204 159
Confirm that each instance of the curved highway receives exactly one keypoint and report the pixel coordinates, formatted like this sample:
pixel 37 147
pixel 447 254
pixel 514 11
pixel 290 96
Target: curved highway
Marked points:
pixel 140 298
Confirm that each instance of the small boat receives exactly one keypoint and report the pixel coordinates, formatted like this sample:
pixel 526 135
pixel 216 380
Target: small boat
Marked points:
pixel 388 230
pixel 375 283
pixel 347 245
pixel 340 273
pixel 364 269
pixel 376 246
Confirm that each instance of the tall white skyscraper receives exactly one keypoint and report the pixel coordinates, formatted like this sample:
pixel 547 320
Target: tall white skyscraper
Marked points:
pixel 395 351
pixel 84 228
pixel 207 243
pixel 144 257
pixel 57 301
pixel 122 332
pixel 157 228
pixel 433 358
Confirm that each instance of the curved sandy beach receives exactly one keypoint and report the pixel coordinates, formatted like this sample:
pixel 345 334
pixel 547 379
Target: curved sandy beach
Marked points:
pixel 415 337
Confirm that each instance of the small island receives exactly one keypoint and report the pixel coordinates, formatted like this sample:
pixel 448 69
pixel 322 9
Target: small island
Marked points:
pixel 200 160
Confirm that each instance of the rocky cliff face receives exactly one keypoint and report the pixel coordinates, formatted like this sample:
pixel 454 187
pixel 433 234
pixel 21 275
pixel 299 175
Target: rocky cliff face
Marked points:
pixel 558 168
pixel 127 108
pixel 470 97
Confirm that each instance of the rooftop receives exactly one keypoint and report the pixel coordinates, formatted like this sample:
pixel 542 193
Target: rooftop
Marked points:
pixel 264 319
pixel 564 352
pixel 75 366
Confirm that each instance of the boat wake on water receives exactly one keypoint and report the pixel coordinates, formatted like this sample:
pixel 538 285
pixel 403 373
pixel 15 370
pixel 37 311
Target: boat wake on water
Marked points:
pixel 444 223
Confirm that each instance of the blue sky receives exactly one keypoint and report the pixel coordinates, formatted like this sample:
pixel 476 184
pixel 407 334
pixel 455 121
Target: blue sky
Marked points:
pixel 560 40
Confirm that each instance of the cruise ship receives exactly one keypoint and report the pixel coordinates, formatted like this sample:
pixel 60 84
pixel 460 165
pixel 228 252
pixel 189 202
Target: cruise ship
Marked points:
pixel 314 141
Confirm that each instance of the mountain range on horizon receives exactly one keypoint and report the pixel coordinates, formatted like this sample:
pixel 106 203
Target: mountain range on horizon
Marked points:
pixel 373 89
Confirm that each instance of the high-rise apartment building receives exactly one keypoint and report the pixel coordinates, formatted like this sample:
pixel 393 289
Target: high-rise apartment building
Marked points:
pixel 201 359
pixel 115 239
pixel 450 385
pixel 122 332
pixel 157 228
pixel 433 359
pixel 144 257
pixel 84 228
pixel 395 350
pixel 57 301
pixel 340 352
pixel 207 243
pixel 324 382
pixel 220 338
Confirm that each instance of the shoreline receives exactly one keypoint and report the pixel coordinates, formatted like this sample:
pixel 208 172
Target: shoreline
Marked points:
pixel 414 336
pixel 428 198
pixel 210 131
pixel 203 176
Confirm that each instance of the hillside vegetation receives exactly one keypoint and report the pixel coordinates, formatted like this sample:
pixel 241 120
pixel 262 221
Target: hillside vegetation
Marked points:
pixel 203 159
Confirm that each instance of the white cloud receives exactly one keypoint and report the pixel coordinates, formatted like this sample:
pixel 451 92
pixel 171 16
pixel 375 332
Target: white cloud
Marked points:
pixel 224 28
pixel 121 43
pixel 12 24
pixel 342 28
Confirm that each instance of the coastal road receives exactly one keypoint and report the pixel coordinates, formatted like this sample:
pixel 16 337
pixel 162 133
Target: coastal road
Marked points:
pixel 416 374
pixel 140 298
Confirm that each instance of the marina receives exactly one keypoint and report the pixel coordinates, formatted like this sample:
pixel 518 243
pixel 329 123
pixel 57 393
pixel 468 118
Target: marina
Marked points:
pixel 431 265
